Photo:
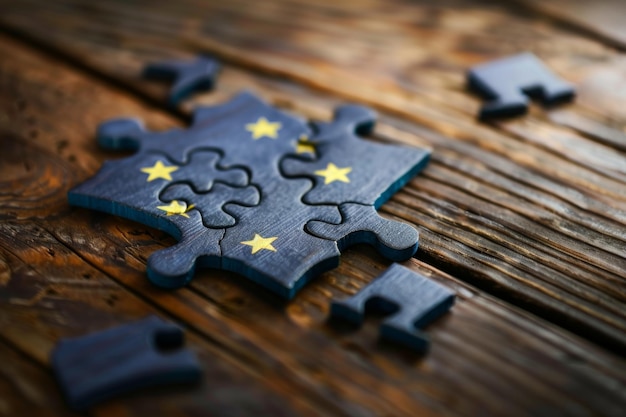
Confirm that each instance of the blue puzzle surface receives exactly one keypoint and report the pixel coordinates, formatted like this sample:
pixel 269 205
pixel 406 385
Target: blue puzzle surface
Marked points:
pixel 122 359
pixel 251 189
pixel 506 83
pixel 411 299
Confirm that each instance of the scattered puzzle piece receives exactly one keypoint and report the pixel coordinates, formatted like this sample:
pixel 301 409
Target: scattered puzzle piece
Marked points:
pixel 116 361
pixel 359 176
pixel 412 300
pixel 187 76
pixel 506 82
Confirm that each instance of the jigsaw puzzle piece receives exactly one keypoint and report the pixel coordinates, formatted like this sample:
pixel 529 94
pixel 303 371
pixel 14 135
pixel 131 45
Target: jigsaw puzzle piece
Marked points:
pixel 210 204
pixel 508 81
pixel 394 240
pixel 187 76
pixel 269 244
pixel 350 169
pixel 257 136
pixel 131 188
pixel 246 131
pixel 116 361
pixel 353 173
pixel 412 300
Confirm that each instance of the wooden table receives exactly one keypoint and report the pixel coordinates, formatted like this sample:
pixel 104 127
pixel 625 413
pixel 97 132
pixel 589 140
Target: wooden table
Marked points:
pixel 523 218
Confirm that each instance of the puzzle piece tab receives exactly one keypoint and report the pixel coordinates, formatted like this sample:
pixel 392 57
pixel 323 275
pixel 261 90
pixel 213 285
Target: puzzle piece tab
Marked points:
pixel 187 76
pixel 506 83
pixel 116 361
pixel 412 300
pixel 359 176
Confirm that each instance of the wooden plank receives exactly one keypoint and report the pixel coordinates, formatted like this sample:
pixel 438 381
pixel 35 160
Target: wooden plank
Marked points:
pixel 603 19
pixel 530 209
pixel 79 270
pixel 26 389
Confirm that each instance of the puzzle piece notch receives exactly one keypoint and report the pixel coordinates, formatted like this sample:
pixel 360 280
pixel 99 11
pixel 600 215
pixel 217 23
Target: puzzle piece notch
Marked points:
pixel 343 176
pixel 413 300
pixel 394 240
pixel 507 82
pixel 187 76
pixel 103 365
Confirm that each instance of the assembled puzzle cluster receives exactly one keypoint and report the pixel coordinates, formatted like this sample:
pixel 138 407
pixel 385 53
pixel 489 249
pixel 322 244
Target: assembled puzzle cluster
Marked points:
pixel 251 189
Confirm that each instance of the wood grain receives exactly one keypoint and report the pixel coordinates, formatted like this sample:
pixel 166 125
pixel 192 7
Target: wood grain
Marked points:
pixel 537 204
pixel 497 206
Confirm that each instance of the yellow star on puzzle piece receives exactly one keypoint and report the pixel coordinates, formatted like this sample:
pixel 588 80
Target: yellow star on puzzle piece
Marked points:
pixel 158 170
pixel 263 127
pixel 333 173
pixel 175 207
pixel 258 243
pixel 304 146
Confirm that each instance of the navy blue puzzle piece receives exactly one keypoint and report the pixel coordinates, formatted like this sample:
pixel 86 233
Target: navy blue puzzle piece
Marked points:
pixel 507 81
pixel 187 76
pixel 247 132
pixel 106 364
pixel 269 244
pixel 132 187
pixel 356 173
pixel 412 299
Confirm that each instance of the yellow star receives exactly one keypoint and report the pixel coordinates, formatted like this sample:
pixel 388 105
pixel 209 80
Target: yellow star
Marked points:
pixel 332 173
pixel 304 146
pixel 159 171
pixel 263 127
pixel 258 242
pixel 176 208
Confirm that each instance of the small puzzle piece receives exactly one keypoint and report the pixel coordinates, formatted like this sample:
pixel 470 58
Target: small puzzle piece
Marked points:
pixel 359 176
pixel 269 244
pixel 506 82
pixel 187 76
pixel 116 361
pixel 412 299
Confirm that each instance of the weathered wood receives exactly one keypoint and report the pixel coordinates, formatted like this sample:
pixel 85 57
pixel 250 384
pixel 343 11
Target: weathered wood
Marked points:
pixel 70 271
pixel 602 19
pixel 552 181
pixel 26 388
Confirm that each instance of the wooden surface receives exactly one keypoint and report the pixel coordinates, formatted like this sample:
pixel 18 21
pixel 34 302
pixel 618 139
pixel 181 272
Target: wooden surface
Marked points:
pixel 524 219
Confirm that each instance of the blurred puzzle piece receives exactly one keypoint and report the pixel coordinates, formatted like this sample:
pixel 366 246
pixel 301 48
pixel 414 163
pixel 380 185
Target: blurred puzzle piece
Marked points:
pixel 507 82
pixel 103 365
pixel 187 76
pixel 411 299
